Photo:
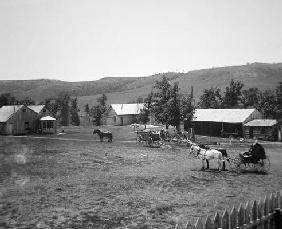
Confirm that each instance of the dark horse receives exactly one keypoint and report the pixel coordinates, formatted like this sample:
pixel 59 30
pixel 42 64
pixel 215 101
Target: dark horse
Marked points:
pixel 102 135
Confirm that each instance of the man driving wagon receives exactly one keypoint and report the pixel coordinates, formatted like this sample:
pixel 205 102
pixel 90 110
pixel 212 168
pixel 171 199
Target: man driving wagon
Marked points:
pixel 255 153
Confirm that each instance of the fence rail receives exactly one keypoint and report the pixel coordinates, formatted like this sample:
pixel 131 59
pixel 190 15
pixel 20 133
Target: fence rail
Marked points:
pixel 262 214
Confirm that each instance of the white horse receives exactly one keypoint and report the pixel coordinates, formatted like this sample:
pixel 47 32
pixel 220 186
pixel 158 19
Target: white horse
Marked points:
pixel 206 155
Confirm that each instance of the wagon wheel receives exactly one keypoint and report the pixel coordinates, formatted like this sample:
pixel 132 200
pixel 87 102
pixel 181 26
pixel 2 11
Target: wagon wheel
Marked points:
pixel 139 139
pixel 243 166
pixel 263 165
pixel 150 141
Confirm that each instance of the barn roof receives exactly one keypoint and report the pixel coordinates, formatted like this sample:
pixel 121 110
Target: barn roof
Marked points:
pixel 36 108
pixel 222 115
pixel 126 109
pixel 262 122
pixel 6 112
pixel 47 118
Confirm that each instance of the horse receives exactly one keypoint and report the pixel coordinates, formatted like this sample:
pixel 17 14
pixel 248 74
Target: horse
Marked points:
pixel 102 135
pixel 208 154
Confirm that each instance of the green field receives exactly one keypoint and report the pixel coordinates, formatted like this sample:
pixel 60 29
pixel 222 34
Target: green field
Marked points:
pixel 75 181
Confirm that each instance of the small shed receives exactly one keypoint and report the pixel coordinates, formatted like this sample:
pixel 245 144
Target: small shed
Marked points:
pixel 264 129
pixel 222 122
pixel 47 125
pixel 42 111
pixel 16 120
pixel 122 114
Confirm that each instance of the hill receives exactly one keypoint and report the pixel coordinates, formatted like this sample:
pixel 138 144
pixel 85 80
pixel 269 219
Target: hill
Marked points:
pixel 128 89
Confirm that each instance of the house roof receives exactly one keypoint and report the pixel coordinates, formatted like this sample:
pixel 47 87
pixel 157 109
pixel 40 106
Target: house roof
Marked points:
pixel 6 112
pixel 262 122
pixel 36 108
pixel 126 109
pixel 47 118
pixel 222 115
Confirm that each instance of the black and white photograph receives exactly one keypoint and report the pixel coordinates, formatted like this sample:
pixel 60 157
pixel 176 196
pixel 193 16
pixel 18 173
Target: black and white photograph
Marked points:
pixel 140 114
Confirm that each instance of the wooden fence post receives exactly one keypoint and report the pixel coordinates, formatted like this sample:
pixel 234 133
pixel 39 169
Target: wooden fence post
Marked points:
pixel 241 216
pixel 266 211
pixel 271 211
pixel 233 218
pixel 225 220
pixel 217 221
pixel 208 223
pixel 199 224
pixel 247 214
pixel 189 226
pixel 277 219
pixel 254 212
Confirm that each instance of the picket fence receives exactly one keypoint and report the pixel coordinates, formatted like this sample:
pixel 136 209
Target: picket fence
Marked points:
pixel 262 214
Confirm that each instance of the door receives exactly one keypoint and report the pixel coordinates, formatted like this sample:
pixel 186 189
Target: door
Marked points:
pixel 10 127
pixel 251 133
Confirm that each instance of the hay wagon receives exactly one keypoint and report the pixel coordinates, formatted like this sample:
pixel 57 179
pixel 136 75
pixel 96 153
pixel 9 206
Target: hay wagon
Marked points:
pixel 148 137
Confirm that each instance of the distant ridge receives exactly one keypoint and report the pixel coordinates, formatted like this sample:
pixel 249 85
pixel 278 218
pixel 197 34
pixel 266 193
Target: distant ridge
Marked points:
pixel 128 89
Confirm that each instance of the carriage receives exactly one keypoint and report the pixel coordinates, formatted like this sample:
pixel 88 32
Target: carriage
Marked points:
pixel 148 137
pixel 245 162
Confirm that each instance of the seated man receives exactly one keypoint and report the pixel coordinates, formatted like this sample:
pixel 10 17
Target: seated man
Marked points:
pixel 255 153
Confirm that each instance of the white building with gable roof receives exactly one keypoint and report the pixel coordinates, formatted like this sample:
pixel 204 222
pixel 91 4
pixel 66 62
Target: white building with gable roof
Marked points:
pixel 122 114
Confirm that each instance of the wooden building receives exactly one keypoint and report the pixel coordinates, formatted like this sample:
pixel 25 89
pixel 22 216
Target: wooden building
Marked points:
pixel 122 114
pixel 47 125
pixel 44 122
pixel 264 129
pixel 222 122
pixel 16 120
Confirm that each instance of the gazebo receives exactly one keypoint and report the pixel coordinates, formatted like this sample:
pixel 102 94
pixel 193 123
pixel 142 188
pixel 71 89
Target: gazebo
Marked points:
pixel 48 125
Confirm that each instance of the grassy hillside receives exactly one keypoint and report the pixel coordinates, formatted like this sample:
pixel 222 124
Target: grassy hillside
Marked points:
pixel 128 89
pixel 260 75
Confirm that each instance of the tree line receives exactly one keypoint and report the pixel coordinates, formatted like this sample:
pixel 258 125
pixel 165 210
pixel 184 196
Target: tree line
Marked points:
pixel 268 102
pixel 166 104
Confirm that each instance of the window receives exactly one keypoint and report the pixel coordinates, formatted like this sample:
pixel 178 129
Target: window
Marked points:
pixel 24 110
pixel 26 125
pixel 263 130
pixel 50 125
pixel 44 110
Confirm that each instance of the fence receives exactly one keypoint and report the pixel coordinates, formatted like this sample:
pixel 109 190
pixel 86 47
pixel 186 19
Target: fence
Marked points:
pixel 262 214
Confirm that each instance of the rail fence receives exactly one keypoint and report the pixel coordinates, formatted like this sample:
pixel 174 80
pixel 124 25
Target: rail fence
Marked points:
pixel 262 214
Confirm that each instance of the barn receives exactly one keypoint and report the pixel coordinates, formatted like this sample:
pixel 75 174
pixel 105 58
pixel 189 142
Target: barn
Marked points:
pixel 264 129
pixel 44 122
pixel 16 120
pixel 223 122
pixel 122 114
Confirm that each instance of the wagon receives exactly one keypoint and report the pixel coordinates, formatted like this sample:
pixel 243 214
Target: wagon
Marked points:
pixel 241 164
pixel 148 137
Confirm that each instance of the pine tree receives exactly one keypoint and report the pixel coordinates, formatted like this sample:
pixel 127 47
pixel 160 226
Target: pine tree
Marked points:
pixel 63 103
pixel 144 115
pixel 172 108
pixel 74 113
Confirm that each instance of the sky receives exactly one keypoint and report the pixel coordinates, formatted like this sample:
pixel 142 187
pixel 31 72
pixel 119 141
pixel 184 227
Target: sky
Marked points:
pixel 81 40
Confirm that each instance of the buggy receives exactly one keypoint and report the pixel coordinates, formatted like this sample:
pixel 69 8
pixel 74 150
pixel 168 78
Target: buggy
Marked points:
pixel 255 158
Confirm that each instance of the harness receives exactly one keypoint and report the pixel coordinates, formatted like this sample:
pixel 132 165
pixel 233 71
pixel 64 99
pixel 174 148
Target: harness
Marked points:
pixel 198 153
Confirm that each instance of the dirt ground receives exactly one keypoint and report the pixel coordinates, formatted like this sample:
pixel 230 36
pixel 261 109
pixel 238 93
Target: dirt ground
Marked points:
pixel 60 183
